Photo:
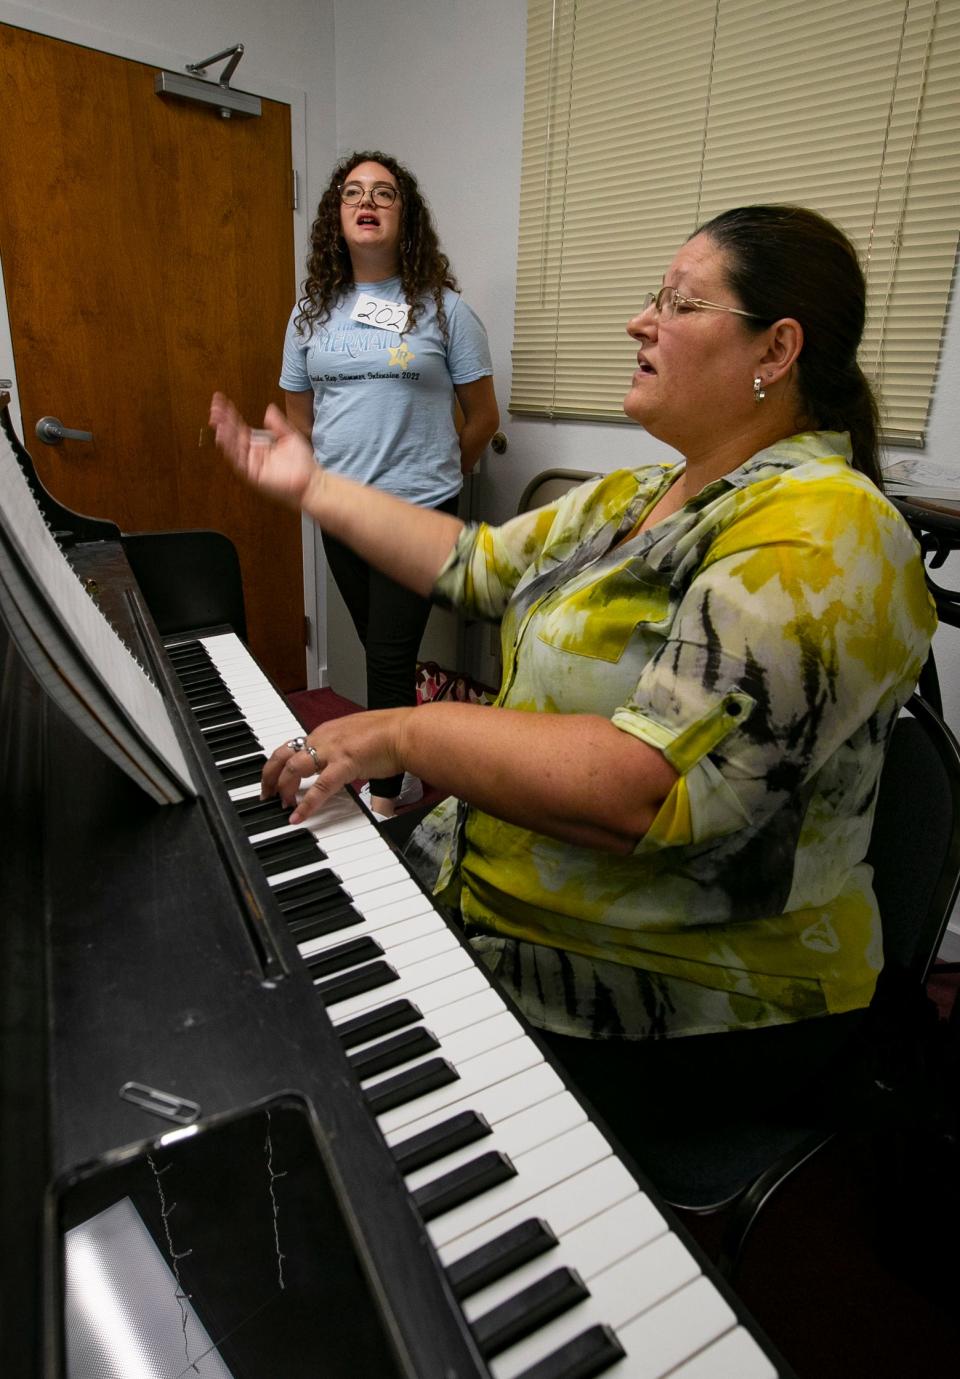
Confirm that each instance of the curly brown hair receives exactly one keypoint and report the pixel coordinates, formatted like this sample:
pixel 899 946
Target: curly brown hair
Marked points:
pixel 424 268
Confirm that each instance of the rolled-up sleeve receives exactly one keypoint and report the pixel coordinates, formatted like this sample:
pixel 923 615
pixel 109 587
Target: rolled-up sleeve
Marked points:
pixel 775 649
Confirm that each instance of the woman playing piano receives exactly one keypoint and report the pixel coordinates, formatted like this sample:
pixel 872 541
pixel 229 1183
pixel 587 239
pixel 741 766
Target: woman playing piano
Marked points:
pixel 376 351
pixel 657 834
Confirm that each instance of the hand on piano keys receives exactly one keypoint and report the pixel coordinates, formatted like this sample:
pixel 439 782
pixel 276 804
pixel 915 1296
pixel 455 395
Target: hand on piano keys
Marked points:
pixel 358 747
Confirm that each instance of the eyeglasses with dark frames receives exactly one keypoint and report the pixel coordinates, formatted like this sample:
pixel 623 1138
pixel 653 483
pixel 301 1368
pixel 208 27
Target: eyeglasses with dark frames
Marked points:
pixel 381 194
pixel 668 302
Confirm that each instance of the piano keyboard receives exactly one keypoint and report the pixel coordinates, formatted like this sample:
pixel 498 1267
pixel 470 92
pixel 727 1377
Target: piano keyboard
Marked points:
pixel 563 1265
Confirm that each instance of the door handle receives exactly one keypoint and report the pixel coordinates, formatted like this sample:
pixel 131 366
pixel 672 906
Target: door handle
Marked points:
pixel 52 432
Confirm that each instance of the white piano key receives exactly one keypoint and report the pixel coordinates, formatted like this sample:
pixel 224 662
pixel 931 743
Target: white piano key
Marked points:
pixel 735 1354
pixel 420 926
pixel 480 1036
pixel 612 1236
pixel 462 1013
pixel 634 1288
pixel 497 1066
pixel 465 1046
pixel 600 1186
pixel 539 1169
pixel 357 847
pixel 489 1026
pixel 674 1331
pixel 517 1135
pixel 426 984
pixel 384 871
pixel 340 816
pixel 495 1103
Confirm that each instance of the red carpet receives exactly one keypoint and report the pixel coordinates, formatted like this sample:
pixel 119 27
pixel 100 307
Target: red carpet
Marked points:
pixel 317 706
pixel 942 987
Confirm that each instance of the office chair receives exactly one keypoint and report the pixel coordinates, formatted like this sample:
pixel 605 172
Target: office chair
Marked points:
pixel 551 484
pixel 915 853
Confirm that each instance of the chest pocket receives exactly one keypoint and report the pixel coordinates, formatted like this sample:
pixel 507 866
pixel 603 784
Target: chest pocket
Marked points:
pixel 598 619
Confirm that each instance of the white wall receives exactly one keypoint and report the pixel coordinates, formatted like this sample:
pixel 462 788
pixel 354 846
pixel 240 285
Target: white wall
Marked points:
pixel 448 100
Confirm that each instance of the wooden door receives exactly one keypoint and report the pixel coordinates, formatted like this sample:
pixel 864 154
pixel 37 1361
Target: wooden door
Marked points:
pixel 147 249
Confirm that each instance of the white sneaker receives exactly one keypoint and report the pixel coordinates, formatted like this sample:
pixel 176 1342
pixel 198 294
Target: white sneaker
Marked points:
pixel 411 792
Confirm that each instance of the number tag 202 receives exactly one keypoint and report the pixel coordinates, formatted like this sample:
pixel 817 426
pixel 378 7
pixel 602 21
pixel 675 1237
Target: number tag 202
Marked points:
pixel 380 313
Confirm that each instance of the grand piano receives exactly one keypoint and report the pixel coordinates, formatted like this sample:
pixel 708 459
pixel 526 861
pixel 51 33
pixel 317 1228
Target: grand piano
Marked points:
pixel 264 1115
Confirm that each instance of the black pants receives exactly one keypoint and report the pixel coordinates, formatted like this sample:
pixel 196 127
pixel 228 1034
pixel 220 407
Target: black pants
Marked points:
pixel 698 1081
pixel 390 622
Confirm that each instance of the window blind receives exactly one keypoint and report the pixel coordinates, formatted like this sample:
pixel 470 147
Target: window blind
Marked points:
pixel 642 120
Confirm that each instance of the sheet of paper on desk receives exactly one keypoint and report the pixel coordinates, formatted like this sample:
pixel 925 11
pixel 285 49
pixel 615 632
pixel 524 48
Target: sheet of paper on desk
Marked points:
pixel 75 652
pixel 923 478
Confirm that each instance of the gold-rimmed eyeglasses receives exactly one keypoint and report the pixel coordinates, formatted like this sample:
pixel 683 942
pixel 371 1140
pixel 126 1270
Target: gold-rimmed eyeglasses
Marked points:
pixel 668 302
pixel 381 194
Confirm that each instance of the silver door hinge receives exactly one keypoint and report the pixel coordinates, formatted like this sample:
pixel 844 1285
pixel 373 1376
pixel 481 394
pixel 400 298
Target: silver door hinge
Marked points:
pixel 296 189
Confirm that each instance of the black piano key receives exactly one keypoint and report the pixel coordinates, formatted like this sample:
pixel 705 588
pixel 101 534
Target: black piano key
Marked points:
pixel 259 816
pixel 592 1352
pixel 528 1310
pixel 213 695
pixel 245 772
pixel 408 1085
pixel 463 1184
pixel 381 1020
pixel 323 898
pixel 344 955
pixel 295 848
pixel 196 672
pixel 219 701
pixel 500 1257
pixel 231 740
pixel 347 984
pixel 327 921
pixel 189 652
pixel 324 914
pixel 393 1052
pixel 190 647
pixel 198 684
pixel 302 888
pixel 429 1145
pixel 226 711
pixel 193 674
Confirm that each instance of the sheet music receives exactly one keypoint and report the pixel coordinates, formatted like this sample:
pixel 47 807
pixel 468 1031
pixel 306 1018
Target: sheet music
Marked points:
pixel 75 652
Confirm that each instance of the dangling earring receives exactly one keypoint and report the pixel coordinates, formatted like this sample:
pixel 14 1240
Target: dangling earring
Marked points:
pixel 758 393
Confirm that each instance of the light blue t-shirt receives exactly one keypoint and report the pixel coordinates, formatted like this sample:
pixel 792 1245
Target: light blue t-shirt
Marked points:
pixel 383 402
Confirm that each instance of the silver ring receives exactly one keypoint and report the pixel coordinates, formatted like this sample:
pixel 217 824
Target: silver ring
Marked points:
pixel 296 744
pixel 312 752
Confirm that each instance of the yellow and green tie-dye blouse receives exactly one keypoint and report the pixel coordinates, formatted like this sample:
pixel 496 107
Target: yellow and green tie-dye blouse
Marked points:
pixel 763 638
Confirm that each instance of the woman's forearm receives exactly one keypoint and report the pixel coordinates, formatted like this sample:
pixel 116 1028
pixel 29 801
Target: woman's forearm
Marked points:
pixel 480 419
pixel 575 777
pixel 406 542
pixel 474 439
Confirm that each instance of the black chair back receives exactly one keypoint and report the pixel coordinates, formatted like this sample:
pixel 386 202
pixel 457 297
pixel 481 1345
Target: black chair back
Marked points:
pixel 915 842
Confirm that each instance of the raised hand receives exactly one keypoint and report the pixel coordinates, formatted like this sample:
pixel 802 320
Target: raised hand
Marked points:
pixel 282 467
